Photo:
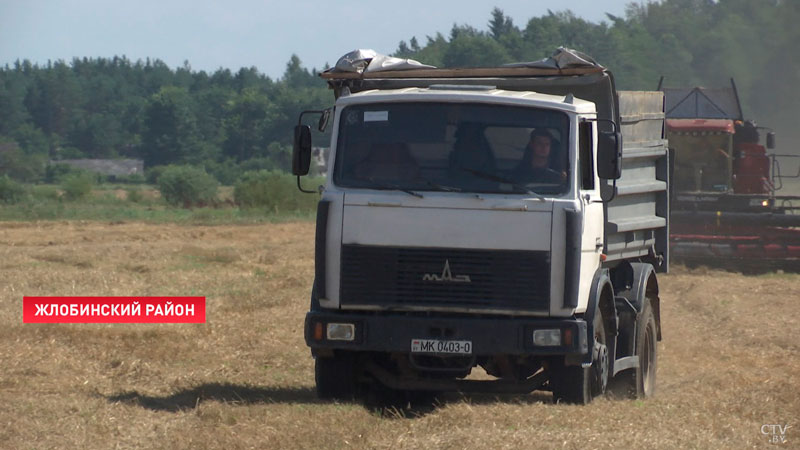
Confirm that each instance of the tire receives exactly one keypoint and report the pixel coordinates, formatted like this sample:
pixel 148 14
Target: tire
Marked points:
pixel 578 385
pixel 336 377
pixel 640 382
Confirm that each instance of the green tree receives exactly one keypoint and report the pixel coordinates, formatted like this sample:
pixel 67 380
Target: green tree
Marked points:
pixel 297 76
pixel 96 134
pixel 500 25
pixel 170 127
pixel 247 117
pixel 13 88
pixel 473 50
pixel 53 98
pixel 433 52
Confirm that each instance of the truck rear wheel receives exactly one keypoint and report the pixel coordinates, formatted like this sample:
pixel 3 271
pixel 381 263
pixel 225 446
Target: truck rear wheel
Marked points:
pixel 578 385
pixel 335 377
pixel 641 381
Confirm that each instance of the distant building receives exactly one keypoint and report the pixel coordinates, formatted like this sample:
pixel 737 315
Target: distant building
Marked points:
pixel 113 167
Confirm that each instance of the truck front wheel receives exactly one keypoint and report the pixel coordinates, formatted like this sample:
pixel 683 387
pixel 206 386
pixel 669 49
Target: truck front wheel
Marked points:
pixel 578 385
pixel 336 377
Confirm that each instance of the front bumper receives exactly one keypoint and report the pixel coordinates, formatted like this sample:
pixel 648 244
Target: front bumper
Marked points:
pixel 393 332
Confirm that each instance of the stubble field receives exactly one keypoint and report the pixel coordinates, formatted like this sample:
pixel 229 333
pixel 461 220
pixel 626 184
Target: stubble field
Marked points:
pixel 729 362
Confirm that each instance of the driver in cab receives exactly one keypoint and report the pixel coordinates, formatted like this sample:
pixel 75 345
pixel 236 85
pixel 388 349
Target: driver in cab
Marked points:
pixel 537 161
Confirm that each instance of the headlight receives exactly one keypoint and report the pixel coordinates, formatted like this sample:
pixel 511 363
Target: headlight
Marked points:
pixel 341 332
pixel 547 338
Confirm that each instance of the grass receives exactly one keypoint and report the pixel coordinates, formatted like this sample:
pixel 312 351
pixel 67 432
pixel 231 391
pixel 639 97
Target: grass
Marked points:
pixel 780 274
pixel 245 378
pixel 223 255
pixel 111 211
pixel 111 203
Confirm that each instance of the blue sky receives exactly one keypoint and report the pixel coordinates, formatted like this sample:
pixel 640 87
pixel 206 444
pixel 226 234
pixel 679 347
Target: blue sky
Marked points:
pixel 243 33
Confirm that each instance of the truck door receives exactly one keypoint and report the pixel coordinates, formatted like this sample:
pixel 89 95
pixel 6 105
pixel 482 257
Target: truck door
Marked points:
pixel 592 204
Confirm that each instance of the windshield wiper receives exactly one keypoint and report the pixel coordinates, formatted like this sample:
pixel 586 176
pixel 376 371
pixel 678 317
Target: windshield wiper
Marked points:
pixel 441 187
pixel 491 177
pixel 381 185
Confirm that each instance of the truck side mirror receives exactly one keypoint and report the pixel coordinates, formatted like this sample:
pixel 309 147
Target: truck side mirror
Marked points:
pixel 770 140
pixel 609 155
pixel 301 154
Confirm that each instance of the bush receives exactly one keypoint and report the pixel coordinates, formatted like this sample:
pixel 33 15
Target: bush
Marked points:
pixel 226 172
pixel 275 191
pixel 151 174
pixel 134 178
pixel 55 173
pixel 22 166
pixel 187 186
pixel 133 195
pixel 77 186
pixel 45 192
pixel 58 173
pixel 255 164
pixel 10 191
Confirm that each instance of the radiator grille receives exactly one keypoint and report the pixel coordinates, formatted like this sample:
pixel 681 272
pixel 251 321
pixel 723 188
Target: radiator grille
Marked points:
pixel 404 276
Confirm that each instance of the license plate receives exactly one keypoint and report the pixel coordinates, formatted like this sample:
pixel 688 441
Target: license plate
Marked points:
pixel 439 346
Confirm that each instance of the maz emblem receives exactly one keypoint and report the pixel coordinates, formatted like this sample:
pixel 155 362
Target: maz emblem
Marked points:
pixel 446 275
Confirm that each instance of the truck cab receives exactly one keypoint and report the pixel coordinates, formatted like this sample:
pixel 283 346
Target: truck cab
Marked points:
pixel 467 224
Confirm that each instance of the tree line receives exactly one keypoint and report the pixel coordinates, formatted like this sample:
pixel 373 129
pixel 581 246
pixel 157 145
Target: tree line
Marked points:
pixel 115 107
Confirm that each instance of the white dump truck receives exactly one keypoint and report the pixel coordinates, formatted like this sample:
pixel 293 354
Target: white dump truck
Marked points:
pixel 510 218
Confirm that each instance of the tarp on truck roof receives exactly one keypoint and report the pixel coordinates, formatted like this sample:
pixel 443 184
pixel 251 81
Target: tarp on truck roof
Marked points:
pixel 562 58
pixel 367 64
pixel 367 60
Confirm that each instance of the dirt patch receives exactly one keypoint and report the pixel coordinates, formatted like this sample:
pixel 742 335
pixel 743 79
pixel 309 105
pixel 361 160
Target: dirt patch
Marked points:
pixel 729 362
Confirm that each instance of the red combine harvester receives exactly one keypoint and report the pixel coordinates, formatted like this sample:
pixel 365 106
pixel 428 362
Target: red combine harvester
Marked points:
pixel 725 211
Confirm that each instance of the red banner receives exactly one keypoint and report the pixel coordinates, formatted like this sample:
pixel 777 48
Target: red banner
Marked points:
pixel 113 309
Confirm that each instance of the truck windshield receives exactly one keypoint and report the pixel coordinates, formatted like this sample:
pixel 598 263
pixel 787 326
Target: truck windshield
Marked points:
pixel 453 147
